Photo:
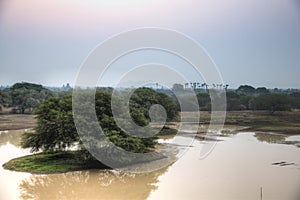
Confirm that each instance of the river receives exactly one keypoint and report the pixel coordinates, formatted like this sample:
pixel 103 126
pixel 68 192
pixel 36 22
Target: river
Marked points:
pixel 238 168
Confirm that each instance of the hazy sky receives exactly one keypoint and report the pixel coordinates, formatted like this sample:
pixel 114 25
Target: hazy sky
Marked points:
pixel 253 42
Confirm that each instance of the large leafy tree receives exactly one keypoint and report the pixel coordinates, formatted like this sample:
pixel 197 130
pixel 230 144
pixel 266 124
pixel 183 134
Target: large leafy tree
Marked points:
pixel 56 129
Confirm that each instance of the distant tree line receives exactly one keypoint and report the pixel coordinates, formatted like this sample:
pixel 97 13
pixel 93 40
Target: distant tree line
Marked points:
pixel 244 98
pixel 26 97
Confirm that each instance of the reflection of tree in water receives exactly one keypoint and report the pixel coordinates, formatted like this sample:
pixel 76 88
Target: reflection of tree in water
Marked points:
pixel 13 137
pixel 270 138
pixel 93 184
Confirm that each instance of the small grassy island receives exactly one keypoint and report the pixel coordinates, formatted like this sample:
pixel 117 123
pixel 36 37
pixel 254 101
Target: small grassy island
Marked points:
pixel 61 161
pixel 57 162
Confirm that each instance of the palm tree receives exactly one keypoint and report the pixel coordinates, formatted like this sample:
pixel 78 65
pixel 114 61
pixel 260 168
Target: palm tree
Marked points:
pixel 206 86
pixel 226 87
pixel 186 85
pixel 195 85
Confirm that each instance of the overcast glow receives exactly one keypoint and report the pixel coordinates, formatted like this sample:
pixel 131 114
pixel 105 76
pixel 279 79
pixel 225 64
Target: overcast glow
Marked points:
pixel 255 42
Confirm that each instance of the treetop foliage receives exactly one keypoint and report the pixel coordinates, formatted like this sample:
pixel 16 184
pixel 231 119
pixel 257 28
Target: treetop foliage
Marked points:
pixel 56 129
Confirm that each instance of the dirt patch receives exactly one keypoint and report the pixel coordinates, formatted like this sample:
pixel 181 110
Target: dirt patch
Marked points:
pixel 16 122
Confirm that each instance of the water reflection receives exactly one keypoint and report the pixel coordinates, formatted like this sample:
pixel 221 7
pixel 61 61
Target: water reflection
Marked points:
pixel 13 137
pixel 92 184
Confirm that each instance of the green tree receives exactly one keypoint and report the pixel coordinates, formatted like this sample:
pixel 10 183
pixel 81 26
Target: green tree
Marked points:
pixel 143 98
pixel 261 90
pixel 246 89
pixel 28 96
pixel 5 99
pixel 245 101
pixel 204 101
pixel 272 102
pixel 295 100
pixel 233 101
pixel 56 129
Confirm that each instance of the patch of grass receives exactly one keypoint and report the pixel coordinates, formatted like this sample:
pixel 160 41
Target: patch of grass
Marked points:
pixel 65 161
pixel 57 162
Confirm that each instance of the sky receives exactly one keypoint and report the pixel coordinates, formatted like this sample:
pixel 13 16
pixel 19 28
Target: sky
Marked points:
pixel 253 42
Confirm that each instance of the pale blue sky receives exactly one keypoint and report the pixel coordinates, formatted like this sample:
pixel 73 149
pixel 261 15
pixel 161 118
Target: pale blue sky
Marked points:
pixel 253 42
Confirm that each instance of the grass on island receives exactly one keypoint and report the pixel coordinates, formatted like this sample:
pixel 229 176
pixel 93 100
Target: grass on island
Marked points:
pixel 57 162
pixel 65 161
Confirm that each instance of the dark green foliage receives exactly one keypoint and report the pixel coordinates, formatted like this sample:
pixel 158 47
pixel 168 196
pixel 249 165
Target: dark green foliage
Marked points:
pixel 245 101
pixel 233 101
pixel 5 98
pixel 139 117
pixel 204 101
pixel 189 103
pixel 27 96
pixel 143 98
pixel 295 100
pixel 248 98
pixel 246 89
pixel 28 86
pixel 272 102
pixel 55 127
pixel 261 90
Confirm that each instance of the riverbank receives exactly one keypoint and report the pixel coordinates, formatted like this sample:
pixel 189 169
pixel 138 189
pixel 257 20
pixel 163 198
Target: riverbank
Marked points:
pixel 16 122
pixel 282 122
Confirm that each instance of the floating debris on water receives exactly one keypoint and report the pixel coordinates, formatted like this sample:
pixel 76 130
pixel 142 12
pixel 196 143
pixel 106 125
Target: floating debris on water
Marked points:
pixel 282 164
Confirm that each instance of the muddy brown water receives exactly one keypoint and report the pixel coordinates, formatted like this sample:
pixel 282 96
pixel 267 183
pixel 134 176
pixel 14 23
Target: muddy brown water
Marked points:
pixel 237 168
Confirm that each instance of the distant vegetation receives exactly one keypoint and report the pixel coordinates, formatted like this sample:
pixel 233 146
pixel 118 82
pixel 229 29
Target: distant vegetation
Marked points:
pixel 245 98
pixel 26 97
